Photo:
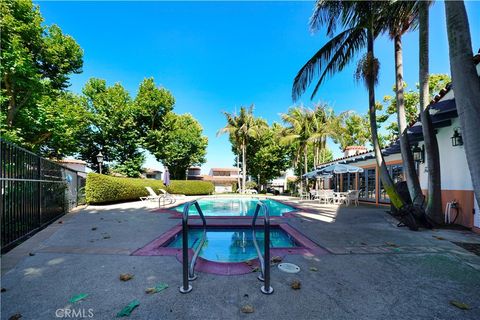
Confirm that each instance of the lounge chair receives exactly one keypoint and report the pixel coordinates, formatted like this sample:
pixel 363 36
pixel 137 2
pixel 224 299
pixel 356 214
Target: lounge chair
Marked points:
pixel 152 195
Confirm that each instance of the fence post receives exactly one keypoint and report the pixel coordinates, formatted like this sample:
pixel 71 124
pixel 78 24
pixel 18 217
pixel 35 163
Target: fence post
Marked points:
pixel 40 220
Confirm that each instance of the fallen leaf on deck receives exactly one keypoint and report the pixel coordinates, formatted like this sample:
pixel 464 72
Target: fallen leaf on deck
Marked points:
pixel 247 309
pixel 277 259
pixel 439 238
pixel 127 310
pixel 94 228
pixel 3 289
pixel 60 221
pixel 460 305
pixel 391 244
pixel 159 287
pixel 16 316
pixel 106 237
pixel 126 276
pixel 78 297
pixel 296 285
pixel 313 269
pixel 31 254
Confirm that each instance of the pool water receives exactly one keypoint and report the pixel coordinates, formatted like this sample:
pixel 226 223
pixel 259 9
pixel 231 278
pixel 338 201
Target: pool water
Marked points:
pixel 233 244
pixel 236 207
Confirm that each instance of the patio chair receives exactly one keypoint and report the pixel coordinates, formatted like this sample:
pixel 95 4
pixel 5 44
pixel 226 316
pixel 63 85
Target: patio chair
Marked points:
pixel 353 197
pixel 304 195
pixel 325 196
pixel 152 195
pixel 330 195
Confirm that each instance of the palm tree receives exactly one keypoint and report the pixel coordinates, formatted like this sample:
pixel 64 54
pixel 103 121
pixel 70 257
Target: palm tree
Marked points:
pixel 466 85
pixel 240 128
pixel 434 203
pixel 300 122
pixel 362 22
pixel 405 17
pixel 325 124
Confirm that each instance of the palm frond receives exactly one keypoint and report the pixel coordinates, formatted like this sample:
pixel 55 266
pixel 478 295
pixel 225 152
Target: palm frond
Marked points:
pixel 314 65
pixel 356 40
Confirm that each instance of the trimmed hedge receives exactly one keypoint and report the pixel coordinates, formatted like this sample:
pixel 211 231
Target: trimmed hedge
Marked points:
pixel 190 187
pixel 101 188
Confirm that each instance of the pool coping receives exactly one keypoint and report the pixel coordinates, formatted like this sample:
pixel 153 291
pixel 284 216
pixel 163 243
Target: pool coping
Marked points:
pixel 155 248
pixel 289 214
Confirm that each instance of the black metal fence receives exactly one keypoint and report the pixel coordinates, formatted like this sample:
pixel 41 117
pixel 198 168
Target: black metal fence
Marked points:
pixel 34 192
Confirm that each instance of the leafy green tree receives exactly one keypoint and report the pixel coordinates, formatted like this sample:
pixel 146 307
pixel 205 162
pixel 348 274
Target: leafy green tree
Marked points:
pixel 36 63
pixel 62 122
pixel 152 104
pixel 131 167
pixel 412 103
pixel 355 131
pixel 267 158
pixel 113 127
pixel 180 145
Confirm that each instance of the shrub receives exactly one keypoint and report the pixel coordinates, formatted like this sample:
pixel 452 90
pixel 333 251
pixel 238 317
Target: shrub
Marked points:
pixel 250 185
pixel 106 189
pixel 190 187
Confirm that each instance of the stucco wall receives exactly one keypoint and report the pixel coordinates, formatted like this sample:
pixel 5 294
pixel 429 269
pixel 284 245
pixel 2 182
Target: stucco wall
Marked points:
pixel 454 169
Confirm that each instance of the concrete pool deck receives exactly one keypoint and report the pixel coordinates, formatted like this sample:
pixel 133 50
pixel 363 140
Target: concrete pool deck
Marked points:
pixel 374 270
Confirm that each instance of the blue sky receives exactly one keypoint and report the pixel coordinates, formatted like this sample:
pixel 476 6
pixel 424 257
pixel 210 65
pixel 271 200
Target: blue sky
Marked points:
pixel 218 56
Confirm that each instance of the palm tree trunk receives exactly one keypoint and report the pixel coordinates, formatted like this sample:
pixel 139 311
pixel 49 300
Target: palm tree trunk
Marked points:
pixel 305 159
pixel 466 85
pixel 434 203
pixel 238 168
pixel 244 167
pixel 395 198
pixel 411 176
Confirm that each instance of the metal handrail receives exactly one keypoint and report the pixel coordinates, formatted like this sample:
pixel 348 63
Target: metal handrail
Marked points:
pixel 265 259
pixel 189 270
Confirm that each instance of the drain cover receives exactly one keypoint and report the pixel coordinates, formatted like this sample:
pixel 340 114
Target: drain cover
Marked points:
pixel 289 267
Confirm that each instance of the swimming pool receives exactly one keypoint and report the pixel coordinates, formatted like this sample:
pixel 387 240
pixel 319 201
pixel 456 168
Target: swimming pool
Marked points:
pixel 236 207
pixel 232 244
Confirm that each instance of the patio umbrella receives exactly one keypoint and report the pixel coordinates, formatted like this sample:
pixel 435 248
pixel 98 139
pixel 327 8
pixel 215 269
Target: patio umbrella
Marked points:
pixel 317 175
pixel 310 175
pixel 339 168
pixel 166 177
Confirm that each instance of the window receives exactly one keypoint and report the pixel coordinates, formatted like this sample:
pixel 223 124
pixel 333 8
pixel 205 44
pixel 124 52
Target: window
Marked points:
pixel 396 173
pixel 221 173
pixel 348 181
pixel 366 185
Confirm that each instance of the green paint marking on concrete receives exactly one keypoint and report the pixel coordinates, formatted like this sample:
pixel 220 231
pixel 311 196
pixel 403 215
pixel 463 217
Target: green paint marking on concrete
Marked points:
pixel 78 297
pixel 127 310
